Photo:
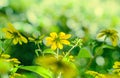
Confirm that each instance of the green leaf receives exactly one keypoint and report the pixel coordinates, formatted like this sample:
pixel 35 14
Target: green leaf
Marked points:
pixel 49 51
pixel 39 70
pixel 99 51
pixel 84 53
pixel 108 46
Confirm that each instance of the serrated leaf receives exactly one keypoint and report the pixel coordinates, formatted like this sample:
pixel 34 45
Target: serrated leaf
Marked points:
pixel 84 53
pixel 39 70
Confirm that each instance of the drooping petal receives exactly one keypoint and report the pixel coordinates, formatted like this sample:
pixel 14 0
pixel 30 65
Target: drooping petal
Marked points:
pixel 66 42
pixel 53 46
pixel 59 45
pixel 15 41
pixel 114 40
pixel 100 35
pixel 53 35
pixel 20 42
pixel 23 39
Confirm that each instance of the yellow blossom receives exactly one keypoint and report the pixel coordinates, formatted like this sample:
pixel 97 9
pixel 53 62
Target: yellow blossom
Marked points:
pixel 109 33
pixel 5 56
pixel 58 65
pixel 116 67
pixel 57 40
pixel 12 33
pixel 17 75
pixel 95 74
pixel 4 66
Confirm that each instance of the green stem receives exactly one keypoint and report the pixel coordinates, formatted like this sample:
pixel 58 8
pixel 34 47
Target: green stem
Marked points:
pixel 72 48
pixel 91 60
pixel 57 53
pixel 105 39
pixel 39 50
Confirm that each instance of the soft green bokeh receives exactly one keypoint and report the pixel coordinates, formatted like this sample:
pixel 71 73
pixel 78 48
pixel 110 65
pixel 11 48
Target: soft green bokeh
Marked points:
pixel 81 18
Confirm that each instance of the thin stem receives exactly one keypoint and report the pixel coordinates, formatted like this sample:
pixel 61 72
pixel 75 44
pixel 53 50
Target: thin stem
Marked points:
pixel 91 60
pixel 39 50
pixel 105 39
pixel 72 48
pixel 57 53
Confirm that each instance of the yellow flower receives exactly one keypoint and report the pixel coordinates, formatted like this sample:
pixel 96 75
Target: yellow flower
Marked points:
pixel 5 56
pixel 109 33
pixel 116 67
pixel 12 33
pixel 57 40
pixel 98 75
pixel 17 75
pixel 4 66
pixel 58 65
pixel 111 76
pixel 95 74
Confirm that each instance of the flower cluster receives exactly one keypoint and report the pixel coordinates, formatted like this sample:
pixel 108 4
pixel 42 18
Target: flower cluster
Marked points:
pixel 109 33
pixel 58 65
pixel 114 74
pixel 12 33
pixel 116 67
pixel 95 74
pixel 57 40
pixel 8 64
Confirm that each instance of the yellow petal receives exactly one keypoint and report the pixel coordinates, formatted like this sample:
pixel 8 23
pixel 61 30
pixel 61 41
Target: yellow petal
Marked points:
pixel 100 35
pixel 15 41
pixel 4 30
pixel 53 35
pixel 67 36
pixel 66 42
pixel 60 46
pixel 49 41
pixel 9 36
pixel 23 39
pixel 20 42
pixel 114 40
pixel 62 35
pixel 54 46
pixel 10 27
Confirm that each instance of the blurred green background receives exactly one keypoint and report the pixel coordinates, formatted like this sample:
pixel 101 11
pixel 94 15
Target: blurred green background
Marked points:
pixel 81 18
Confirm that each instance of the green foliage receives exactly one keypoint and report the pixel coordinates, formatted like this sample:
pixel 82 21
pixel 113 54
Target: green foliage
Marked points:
pixel 39 70
pixel 84 53
pixel 94 44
